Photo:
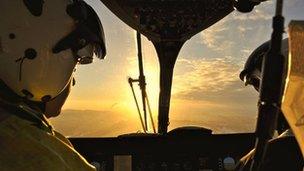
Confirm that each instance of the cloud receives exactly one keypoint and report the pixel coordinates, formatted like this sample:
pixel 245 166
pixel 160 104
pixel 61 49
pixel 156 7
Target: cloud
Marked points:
pixel 205 74
pixel 239 31
pixel 294 3
pixel 215 81
pixel 256 15
pixel 214 38
pixel 208 92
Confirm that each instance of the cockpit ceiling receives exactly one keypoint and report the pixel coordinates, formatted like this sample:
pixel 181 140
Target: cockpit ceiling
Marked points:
pixel 172 20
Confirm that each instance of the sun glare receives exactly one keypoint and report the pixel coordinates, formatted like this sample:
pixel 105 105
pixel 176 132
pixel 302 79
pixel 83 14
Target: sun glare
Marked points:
pixel 151 71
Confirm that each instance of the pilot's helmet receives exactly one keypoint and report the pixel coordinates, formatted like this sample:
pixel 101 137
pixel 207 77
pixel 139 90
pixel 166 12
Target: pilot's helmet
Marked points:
pixel 42 41
pixel 251 73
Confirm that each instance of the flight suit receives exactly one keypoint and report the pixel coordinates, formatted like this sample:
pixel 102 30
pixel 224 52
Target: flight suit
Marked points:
pixel 24 145
pixel 283 154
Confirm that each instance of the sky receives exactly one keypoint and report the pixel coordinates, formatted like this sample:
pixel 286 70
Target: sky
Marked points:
pixel 206 87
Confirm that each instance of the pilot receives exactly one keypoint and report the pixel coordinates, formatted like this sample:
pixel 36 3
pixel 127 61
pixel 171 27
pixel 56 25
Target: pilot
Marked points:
pixel 283 151
pixel 41 42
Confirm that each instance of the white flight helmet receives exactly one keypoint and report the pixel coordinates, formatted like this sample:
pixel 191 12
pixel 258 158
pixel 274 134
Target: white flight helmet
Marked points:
pixel 42 41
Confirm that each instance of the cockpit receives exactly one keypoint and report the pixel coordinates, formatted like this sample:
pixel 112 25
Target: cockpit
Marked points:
pixel 196 113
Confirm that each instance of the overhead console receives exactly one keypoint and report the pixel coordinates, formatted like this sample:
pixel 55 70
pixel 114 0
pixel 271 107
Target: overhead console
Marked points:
pixel 174 20
pixel 176 151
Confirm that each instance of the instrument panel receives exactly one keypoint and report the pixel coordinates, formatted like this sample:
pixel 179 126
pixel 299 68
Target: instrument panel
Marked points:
pixel 140 152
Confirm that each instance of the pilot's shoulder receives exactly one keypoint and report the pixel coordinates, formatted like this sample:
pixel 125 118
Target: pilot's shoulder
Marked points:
pixel 63 138
pixel 26 147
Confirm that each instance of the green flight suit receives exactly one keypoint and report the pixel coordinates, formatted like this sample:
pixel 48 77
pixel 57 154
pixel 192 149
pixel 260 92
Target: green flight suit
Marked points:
pixel 25 147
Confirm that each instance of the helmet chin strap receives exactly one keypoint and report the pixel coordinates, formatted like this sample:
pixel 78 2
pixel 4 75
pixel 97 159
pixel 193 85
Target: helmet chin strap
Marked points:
pixel 22 108
pixel 9 98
